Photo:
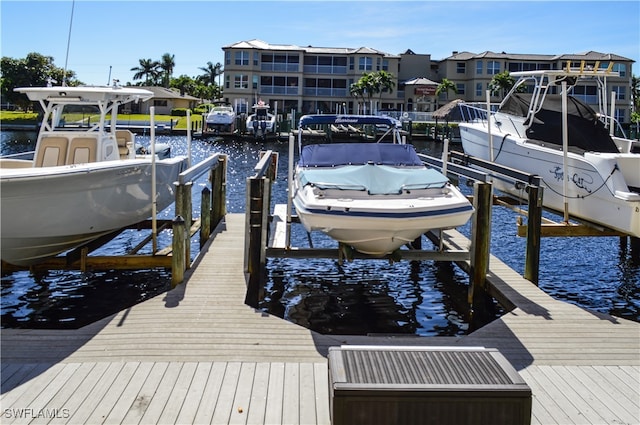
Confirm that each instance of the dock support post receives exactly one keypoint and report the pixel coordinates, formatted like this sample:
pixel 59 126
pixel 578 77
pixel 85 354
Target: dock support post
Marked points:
pixel 205 216
pixel 480 250
pixel 255 250
pixel 218 190
pixel 183 209
pixel 534 227
pixel 178 258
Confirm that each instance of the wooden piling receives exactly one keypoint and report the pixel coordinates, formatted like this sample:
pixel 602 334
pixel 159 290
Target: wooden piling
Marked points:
pixel 183 209
pixel 205 216
pixel 534 226
pixel 258 202
pixel 218 190
pixel 178 259
pixel 480 246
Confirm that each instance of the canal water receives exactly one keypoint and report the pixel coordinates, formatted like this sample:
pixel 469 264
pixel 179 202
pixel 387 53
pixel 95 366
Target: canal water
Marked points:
pixel 360 297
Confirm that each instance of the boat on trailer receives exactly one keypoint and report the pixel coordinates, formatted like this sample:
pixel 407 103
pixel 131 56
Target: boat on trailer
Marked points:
pixel 82 181
pixel 587 172
pixel 372 196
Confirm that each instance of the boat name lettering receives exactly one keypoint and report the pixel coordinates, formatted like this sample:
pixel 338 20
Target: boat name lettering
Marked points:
pixel 344 119
pixel 581 181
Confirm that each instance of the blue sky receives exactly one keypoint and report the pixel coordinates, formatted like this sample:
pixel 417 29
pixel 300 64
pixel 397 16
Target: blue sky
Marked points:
pixel 118 34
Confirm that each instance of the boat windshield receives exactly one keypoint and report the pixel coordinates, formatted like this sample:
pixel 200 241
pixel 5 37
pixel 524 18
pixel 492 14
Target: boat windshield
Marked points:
pixel 334 154
pixel 74 117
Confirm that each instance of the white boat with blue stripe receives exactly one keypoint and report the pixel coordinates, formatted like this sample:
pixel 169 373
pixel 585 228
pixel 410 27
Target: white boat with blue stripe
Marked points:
pixel 373 196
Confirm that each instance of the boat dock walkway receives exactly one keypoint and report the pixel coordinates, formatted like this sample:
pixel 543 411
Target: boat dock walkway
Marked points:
pixel 198 354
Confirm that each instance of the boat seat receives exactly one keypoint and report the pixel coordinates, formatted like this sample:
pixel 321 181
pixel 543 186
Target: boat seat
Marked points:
pixel 124 137
pixel 52 151
pixel 82 150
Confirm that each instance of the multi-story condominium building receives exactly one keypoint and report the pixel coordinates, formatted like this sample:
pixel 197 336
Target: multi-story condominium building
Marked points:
pixel 318 79
pixel 472 73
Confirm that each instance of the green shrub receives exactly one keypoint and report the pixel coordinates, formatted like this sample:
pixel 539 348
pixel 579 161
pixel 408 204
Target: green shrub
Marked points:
pixel 179 112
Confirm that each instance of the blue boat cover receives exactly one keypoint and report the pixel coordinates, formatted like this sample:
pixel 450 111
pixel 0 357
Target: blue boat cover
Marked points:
pixel 335 154
pixel 375 179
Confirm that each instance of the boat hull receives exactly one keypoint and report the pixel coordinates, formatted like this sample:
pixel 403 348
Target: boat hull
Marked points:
pixel 598 184
pixel 379 225
pixel 47 211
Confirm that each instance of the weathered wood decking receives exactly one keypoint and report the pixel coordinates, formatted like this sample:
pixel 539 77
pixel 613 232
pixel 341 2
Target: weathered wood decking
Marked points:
pixel 198 354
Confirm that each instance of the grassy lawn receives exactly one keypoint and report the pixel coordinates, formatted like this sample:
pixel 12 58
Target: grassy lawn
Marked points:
pixel 13 117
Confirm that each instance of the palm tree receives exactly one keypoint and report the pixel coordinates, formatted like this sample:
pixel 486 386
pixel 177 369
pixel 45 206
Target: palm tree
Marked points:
pixel 210 73
pixel 445 86
pixel 148 70
pixel 167 63
pixel 501 83
pixel 385 82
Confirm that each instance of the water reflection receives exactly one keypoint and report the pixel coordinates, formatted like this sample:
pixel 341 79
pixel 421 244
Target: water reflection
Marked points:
pixel 361 297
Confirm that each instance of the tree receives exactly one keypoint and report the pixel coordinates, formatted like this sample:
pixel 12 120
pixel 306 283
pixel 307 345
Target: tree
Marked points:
pixel 372 83
pixel 184 83
pixel 501 83
pixel 166 65
pixel 445 86
pixel 385 82
pixel 33 71
pixel 212 71
pixel 148 70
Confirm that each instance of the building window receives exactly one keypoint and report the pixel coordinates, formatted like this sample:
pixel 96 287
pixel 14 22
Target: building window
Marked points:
pixel 479 67
pixel 351 63
pixel 385 64
pixel 621 92
pixel 227 58
pixel 621 68
pixel 478 89
pixel 254 83
pixel 241 81
pixel 365 63
pixel 242 58
pixel 278 85
pixel 460 88
pixel 493 67
pixel 256 57
pixel 461 68
pixel 282 62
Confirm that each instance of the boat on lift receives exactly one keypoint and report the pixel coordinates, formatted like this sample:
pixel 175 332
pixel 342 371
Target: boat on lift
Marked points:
pixel 587 172
pixel 82 181
pixel 261 124
pixel 221 118
pixel 372 196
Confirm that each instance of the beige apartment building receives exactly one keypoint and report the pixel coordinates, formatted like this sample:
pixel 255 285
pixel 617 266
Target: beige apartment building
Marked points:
pixel 310 79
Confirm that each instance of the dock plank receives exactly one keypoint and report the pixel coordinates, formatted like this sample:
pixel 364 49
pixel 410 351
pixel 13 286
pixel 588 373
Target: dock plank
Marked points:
pixel 197 353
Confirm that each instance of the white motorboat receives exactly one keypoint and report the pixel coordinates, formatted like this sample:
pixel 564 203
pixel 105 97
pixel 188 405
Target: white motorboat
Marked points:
pixel 587 173
pixel 262 123
pixel 375 197
pixel 221 118
pixel 82 181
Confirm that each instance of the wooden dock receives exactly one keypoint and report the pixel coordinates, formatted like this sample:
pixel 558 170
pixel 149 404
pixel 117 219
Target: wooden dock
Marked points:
pixel 198 354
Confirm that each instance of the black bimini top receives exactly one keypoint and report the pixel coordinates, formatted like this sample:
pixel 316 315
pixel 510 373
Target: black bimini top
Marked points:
pixel 586 132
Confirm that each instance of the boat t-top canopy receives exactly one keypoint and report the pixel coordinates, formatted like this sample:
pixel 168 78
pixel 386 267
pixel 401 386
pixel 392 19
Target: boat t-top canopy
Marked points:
pixel 85 94
pixel 348 120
